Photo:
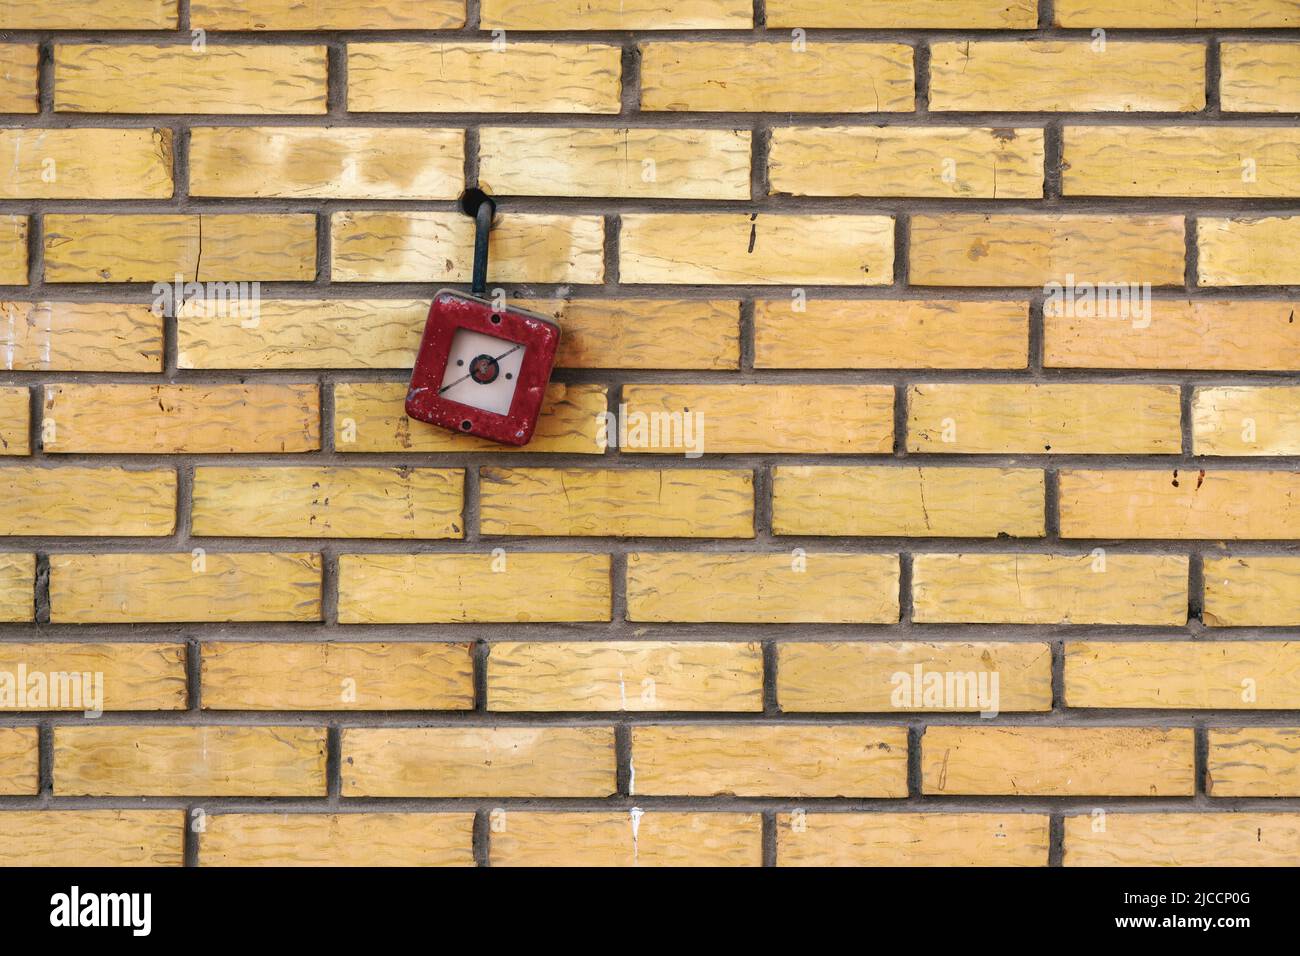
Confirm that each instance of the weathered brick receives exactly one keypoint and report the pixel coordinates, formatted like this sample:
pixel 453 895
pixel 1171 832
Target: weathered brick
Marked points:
pixel 1066 75
pixel 821 419
pixel 18 761
pixel 851 677
pixel 176 78
pixel 103 677
pixel 1183 839
pixel 1171 503
pixel 1187 675
pixel 1057 761
pixel 1153 14
pixel 939 162
pixel 17 587
pixel 645 333
pixel 371 417
pixel 1243 420
pixel 87 501
pixel 189 586
pixel 1252 590
pixel 511 586
pixel 661 502
pixel 87 163
pixel 733 248
pixel 337 163
pixel 76 838
pixel 337 676
pixel 1050 589
pixel 459 77
pixel 80 337
pixel 890 500
pixel 911 839
pixel 630 838
pixel 625 676
pixel 1247 251
pixel 337 839
pixel 774 77
pixel 328 502
pixel 172 419
pixel 158 248
pixel 762 588
pixel 88 15
pixel 882 334
pixel 13 248
pixel 137 760
pixel 1259 77
pixel 1088 419
pixel 327 15
pixel 902 14
pixel 439 246
pixel 1034 250
pixel 624 163
pixel 617 15
pixel 1253 762
pixel 780 761
pixel 18 65
pixel 15 420
pixel 478 761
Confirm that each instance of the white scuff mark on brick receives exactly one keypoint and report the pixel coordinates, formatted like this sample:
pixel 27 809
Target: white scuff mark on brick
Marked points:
pixel 9 341
pixel 634 817
pixel 631 776
pixel 622 692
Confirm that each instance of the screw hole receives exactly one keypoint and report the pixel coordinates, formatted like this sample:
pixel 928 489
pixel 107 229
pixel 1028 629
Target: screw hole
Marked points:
pixel 466 425
pixel 496 319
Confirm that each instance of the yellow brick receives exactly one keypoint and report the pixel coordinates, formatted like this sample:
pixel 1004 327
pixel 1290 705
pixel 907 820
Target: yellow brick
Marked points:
pixel 371 417
pixel 15 420
pixel 327 15
pixel 1011 250
pixel 92 838
pixel 889 14
pixel 631 838
pixel 88 15
pixel 1219 161
pixel 140 760
pixel 903 501
pixel 173 419
pixel 1247 251
pixel 659 502
pixel 1066 75
pixel 1085 419
pixel 301 162
pixel 1176 13
pixel 13 249
pixel 779 761
pixel 18 64
pixel 1050 589
pixel 774 77
pixel 939 162
pixel 820 419
pixel 104 677
pixel 625 676
pixel 911 839
pixel 17 594
pixel 142 588
pixel 336 676
pixel 1180 334
pixel 18 761
pixel 617 15
pixel 175 78
pixel 763 588
pixel 864 677
pixel 884 334
pixel 438 247
pixel 1252 590
pixel 1188 675
pixel 149 248
pixel 457 77
pixel 1241 420
pixel 80 337
pixel 1259 77
pixel 87 163
pixel 517 586
pixel 1253 762
pixel 478 761
pixel 1184 839
pixel 736 249
pixel 329 502
pixel 1057 761
pixel 624 163
pixel 87 501
pixel 1180 504
pixel 337 839
pixel 645 333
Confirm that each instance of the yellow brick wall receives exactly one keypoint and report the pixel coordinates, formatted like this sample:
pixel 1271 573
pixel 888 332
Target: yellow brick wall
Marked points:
pixel 970 565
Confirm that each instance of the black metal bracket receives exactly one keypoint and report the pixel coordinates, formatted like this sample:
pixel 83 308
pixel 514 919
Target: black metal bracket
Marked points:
pixel 479 205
